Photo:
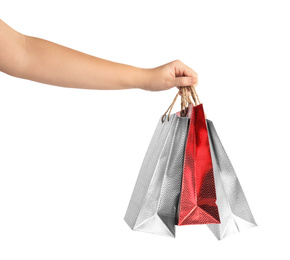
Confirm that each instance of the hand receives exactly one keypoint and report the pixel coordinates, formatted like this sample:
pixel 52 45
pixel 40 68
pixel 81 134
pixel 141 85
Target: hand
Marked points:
pixel 172 74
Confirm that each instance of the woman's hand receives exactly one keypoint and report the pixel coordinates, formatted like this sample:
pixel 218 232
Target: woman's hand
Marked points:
pixel 167 76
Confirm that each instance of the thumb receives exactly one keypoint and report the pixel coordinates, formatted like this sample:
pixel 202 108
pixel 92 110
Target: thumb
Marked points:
pixel 184 81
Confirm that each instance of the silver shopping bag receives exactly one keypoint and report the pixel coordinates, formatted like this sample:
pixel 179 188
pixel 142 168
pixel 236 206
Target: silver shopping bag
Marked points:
pixel 153 204
pixel 234 210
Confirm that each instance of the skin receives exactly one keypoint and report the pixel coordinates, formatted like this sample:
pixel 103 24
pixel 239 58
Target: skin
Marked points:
pixel 43 61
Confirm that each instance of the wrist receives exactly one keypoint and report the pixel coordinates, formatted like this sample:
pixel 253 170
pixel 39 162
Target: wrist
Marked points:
pixel 141 78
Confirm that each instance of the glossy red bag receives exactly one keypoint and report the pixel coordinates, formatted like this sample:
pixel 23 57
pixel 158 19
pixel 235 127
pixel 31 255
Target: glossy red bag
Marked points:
pixel 197 203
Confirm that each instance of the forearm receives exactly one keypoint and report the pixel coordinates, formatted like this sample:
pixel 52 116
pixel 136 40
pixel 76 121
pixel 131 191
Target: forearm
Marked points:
pixel 54 64
pixel 47 62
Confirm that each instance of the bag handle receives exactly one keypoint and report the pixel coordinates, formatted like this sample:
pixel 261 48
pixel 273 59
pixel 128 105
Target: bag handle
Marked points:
pixel 195 97
pixel 185 101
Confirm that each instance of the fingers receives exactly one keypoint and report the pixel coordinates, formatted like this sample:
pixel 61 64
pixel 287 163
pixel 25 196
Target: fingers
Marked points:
pixel 184 81
pixel 184 76
pixel 183 70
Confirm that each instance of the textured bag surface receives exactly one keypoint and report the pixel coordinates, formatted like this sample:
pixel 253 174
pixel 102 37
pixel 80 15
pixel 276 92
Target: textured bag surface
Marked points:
pixel 198 197
pixel 153 204
pixel 234 211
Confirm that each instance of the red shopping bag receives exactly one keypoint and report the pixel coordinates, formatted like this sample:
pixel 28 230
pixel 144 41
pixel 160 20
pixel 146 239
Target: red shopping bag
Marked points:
pixel 197 203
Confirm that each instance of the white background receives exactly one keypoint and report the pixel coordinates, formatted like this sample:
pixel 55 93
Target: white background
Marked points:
pixel 69 158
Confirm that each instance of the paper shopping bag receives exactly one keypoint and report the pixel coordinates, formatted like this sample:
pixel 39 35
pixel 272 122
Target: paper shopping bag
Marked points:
pixel 234 210
pixel 154 200
pixel 197 204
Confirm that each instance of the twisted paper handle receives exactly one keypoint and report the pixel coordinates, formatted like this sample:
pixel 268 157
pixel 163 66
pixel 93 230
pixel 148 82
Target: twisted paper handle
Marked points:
pixel 195 96
pixel 185 101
